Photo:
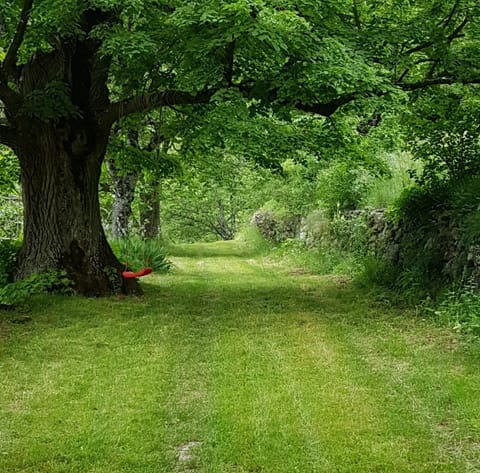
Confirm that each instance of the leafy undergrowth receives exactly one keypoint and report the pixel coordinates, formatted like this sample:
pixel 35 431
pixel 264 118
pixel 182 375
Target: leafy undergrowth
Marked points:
pixel 233 364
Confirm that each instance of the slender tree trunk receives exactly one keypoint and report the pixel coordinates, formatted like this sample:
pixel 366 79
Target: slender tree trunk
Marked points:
pixel 124 185
pixel 224 227
pixel 150 214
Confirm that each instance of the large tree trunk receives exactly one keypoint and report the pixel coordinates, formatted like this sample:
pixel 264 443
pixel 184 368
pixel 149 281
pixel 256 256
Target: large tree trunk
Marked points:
pixel 60 140
pixel 56 115
pixel 62 224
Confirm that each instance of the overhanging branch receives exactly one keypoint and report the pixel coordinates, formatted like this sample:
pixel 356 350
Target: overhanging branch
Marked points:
pixel 328 108
pixel 11 57
pixel 147 102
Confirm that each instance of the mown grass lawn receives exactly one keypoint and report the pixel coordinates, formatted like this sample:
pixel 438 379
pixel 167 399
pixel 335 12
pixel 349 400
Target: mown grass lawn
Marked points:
pixel 235 364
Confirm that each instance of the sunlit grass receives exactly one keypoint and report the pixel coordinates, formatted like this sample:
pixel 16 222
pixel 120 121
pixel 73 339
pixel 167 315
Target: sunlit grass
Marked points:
pixel 246 367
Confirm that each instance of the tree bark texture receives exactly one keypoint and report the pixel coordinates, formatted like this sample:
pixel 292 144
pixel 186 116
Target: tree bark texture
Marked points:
pixel 60 159
pixel 150 213
pixel 62 223
pixel 124 186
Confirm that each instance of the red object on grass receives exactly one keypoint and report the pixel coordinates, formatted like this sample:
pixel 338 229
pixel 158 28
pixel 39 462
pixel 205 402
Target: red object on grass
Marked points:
pixel 138 274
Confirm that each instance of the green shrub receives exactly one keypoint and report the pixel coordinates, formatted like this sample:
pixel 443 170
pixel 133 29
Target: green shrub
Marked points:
pixel 8 257
pixel 19 291
pixel 348 233
pixel 374 271
pixel 341 187
pixel 460 309
pixel 137 253
pixel 385 190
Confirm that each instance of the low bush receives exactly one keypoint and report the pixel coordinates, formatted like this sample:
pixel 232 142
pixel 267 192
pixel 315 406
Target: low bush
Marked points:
pixel 460 308
pixel 137 253
pixel 18 292
pixel 255 243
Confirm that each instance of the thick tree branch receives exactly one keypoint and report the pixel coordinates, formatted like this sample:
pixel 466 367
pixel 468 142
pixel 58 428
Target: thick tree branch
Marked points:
pixel 328 108
pixel 9 97
pixel 11 57
pixel 456 33
pixel 449 18
pixel 147 102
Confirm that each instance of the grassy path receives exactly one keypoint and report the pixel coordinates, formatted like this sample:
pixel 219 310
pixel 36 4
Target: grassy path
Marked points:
pixel 234 364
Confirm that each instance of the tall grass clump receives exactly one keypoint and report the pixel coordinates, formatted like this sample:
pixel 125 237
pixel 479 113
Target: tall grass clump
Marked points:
pixel 254 242
pixel 137 253
pixel 385 190
pixel 460 309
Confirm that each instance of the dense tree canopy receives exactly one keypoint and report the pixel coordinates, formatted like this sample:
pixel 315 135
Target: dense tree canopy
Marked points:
pixel 69 70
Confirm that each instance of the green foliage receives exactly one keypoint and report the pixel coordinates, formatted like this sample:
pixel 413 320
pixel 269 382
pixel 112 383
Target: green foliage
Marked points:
pixel 348 233
pixel 137 253
pixel 416 202
pixel 51 103
pixel 385 190
pixel 253 240
pixel 324 259
pixel 342 187
pixel 11 216
pixel 443 127
pixel 8 256
pixel 376 272
pixel 9 171
pixel 209 199
pixel 460 309
pixel 18 292
pixel 438 235
pixel 448 155
pixel 335 248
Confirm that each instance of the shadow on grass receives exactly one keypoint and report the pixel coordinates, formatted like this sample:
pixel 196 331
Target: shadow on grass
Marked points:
pixel 196 304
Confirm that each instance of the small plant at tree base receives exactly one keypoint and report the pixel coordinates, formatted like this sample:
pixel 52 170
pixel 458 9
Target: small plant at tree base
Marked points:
pixel 17 292
pixel 114 278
